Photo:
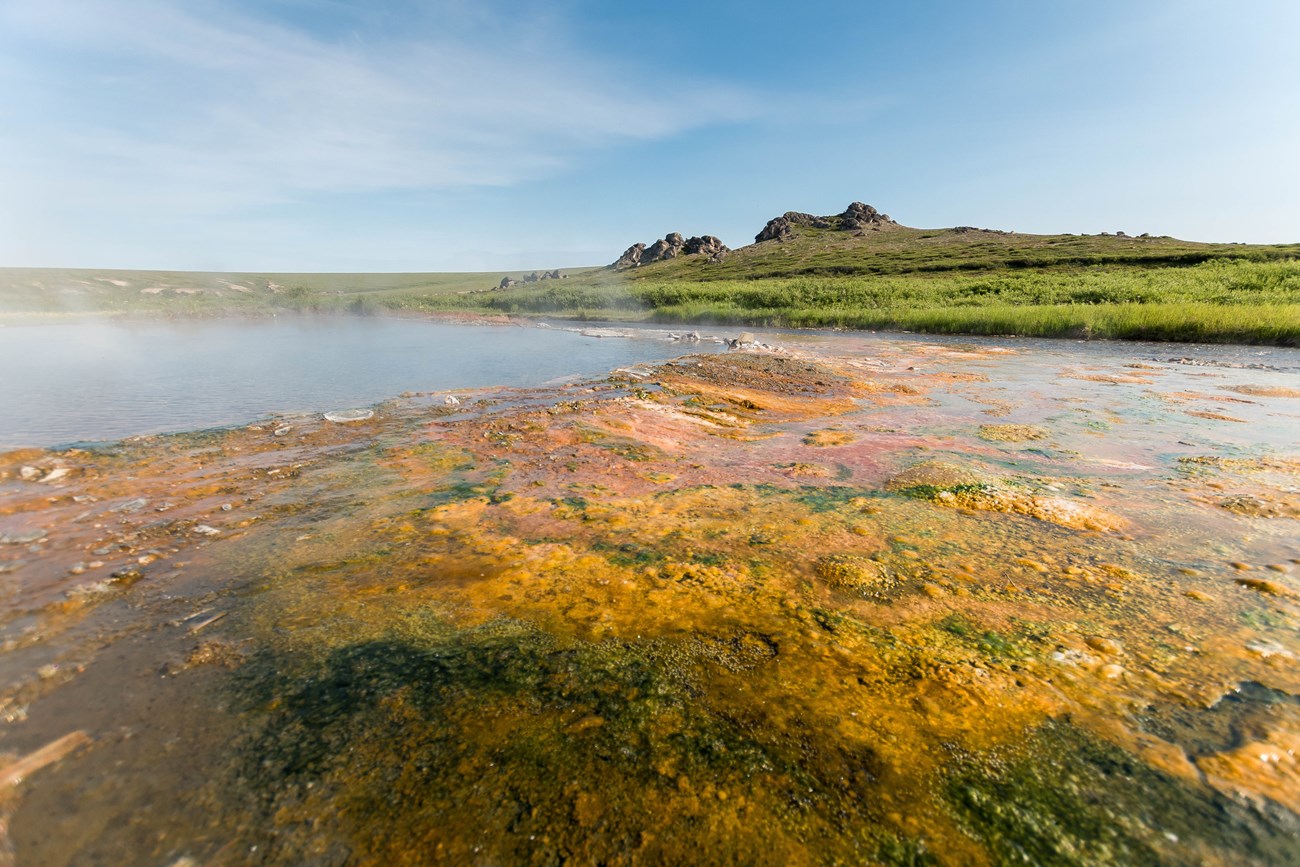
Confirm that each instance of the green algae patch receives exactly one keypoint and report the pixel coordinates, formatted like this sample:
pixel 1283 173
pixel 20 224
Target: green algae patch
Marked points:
pixel 1063 796
pixel 956 486
pixel 445 745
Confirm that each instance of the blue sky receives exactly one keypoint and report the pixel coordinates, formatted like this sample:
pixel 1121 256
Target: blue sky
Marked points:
pixel 485 135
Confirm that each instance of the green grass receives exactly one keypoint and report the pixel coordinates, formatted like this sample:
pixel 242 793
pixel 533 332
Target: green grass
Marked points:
pixel 936 281
pixel 1238 301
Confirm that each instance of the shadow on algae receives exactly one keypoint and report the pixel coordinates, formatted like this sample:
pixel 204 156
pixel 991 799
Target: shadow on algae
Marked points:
pixel 500 744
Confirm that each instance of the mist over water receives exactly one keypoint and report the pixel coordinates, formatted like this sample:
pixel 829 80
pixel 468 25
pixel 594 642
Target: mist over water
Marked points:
pixel 99 381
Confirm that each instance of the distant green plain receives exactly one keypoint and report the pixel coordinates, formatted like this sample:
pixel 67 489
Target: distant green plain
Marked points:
pixel 936 281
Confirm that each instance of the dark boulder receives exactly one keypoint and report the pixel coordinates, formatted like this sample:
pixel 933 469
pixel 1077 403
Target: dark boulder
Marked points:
pixel 704 244
pixel 860 216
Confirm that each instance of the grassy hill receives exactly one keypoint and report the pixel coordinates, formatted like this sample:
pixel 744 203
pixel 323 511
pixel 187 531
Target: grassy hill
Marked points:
pixel 957 281
pixel 904 250
pixel 960 280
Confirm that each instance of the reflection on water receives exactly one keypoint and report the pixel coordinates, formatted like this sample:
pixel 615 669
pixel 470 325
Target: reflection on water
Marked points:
pixel 97 381
pixel 898 602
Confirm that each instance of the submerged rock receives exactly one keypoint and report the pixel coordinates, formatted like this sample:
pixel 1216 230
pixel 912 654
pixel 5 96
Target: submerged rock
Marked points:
pixel 349 415
pixel 22 538
pixel 936 476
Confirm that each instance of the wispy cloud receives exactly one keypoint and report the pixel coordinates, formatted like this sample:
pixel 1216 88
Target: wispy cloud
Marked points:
pixel 208 107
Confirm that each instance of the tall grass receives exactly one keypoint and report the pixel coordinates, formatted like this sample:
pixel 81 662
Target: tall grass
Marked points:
pixel 1223 300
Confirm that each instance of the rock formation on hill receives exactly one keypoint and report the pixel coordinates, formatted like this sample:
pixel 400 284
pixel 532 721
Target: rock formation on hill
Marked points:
pixel 856 217
pixel 670 247
pixel 507 282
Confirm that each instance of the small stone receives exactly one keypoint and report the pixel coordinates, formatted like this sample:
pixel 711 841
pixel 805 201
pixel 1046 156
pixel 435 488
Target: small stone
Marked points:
pixel 1239 566
pixel 1104 645
pixel 282 430
pixel 1263 585
pixel 55 475
pixel 29 474
pixel 206 530
pixel 1198 596
pixel 22 538
pixel 451 400
pixel 226 507
pixel 1111 671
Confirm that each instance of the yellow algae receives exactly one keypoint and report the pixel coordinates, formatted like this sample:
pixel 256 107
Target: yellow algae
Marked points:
pixel 1112 378
pixel 1264 770
pixel 851 572
pixel 937 474
pixel 628 640
pixel 967 487
pixel 828 437
pixel 1011 433
pixel 1263 585
pixel 815 471
pixel 1265 390
pixel 1215 416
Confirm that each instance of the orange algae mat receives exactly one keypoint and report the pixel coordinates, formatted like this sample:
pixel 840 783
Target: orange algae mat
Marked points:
pixel 930 604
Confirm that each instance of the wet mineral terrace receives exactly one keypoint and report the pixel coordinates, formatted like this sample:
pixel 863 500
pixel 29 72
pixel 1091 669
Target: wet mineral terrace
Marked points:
pixel 926 603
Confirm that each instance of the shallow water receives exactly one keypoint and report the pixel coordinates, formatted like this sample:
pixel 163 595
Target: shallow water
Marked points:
pixel 896 600
pixel 106 381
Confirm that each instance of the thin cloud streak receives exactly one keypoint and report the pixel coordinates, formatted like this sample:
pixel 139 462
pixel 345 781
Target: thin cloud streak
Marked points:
pixel 211 110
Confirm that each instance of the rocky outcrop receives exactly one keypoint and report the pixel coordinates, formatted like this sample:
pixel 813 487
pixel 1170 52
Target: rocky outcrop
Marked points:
pixel 782 227
pixel 631 257
pixel 535 277
pixel 670 247
pixel 857 217
pixel 705 245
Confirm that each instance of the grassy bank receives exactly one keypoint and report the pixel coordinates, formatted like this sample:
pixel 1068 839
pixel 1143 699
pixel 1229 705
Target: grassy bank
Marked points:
pixel 1236 301
pixel 942 281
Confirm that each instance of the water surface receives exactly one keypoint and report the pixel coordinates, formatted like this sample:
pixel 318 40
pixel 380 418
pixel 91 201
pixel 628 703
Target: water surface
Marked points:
pixel 105 381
